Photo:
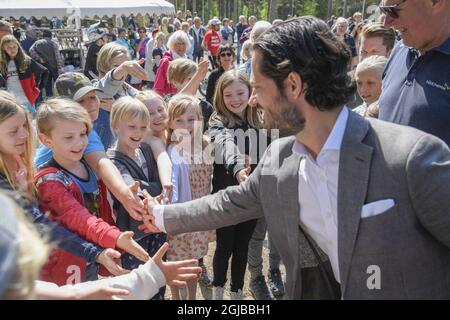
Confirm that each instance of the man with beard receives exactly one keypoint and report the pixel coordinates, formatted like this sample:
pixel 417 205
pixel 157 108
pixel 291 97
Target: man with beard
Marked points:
pixel 357 208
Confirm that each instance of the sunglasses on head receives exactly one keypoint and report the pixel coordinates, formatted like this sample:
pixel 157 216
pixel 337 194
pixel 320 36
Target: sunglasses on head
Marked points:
pixel 226 54
pixel 392 10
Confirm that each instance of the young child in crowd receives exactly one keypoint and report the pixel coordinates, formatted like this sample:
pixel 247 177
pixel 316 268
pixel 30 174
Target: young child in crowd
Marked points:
pixel 20 74
pixel 180 74
pixel 235 163
pixel 68 189
pixel 191 177
pixel 16 175
pixel 368 81
pixel 77 87
pixel 135 161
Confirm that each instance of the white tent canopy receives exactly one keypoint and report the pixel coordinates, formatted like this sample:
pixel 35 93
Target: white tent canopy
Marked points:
pixel 83 8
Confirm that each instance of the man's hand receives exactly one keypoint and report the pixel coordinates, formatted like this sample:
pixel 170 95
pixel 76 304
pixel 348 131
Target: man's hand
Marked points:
pixel 176 273
pixel 110 259
pixel 243 174
pixel 132 68
pixel 126 242
pixel 148 220
pixel 131 202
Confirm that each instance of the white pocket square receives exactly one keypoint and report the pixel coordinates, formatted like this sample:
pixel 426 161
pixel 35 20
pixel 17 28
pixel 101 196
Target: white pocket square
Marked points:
pixel 376 208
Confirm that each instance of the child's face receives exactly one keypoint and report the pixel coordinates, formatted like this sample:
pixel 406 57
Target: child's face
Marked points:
pixel 369 85
pixel 14 135
pixel 11 49
pixel 117 61
pixel 130 133
pixel 183 126
pixel 158 115
pixel 91 103
pixel 68 140
pixel 235 97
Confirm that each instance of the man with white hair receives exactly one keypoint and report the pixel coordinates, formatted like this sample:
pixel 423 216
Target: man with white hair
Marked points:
pixel 240 27
pixel 197 31
pixel 256 31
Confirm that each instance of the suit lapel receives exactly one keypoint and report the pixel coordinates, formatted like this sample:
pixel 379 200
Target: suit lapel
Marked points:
pixel 354 170
pixel 288 203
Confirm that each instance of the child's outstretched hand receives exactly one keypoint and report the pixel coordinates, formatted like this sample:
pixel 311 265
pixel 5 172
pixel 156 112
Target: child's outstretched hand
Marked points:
pixel 110 259
pixel 127 243
pixel 176 273
pixel 21 173
pixel 202 70
pixel 243 174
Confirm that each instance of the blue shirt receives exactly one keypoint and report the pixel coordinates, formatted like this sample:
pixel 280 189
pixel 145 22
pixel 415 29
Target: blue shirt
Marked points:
pixel 103 129
pixel 416 89
pixel 89 189
pixel 44 154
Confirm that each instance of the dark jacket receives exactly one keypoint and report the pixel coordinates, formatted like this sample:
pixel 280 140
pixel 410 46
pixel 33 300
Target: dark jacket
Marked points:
pixel 90 66
pixel 55 233
pixel 212 82
pixel 229 159
pixel 33 80
pixel 131 172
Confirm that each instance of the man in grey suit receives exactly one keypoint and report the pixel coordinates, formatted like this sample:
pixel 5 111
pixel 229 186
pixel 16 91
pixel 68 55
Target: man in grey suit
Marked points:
pixel 369 196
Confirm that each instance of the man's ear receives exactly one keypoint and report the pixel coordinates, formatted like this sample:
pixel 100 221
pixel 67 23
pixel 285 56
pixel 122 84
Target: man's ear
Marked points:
pixel 45 140
pixel 294 85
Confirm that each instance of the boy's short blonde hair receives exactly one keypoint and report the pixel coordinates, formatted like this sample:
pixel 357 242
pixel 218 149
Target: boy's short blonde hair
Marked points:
pixel 50 111
pixel 180 69
pixel 376 63
pixel 127 108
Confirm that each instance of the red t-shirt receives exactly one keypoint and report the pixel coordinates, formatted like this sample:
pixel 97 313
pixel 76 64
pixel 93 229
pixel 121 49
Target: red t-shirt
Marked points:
pixel 213 41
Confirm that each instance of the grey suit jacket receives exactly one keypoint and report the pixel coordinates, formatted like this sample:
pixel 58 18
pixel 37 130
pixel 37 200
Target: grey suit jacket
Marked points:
pixel 408 244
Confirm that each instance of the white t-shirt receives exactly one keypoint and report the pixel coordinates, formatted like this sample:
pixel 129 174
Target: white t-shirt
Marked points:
pixel 13 84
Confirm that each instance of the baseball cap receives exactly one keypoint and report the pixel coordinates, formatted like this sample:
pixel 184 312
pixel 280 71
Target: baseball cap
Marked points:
pixel 9 244
pixel 214 21
pixel 73 85
pixel 95 34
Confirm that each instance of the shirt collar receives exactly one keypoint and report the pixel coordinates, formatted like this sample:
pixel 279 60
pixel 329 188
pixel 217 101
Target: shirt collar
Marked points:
pixel 444 47
pixel 334 140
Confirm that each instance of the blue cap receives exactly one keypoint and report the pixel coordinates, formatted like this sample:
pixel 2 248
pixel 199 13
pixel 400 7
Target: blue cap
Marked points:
pixel 9 244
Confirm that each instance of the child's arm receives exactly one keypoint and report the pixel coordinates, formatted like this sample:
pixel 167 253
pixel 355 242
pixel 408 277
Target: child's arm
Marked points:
pixel 71 214
pixel 113 180
pixel 227 150
pixel 142 283
pixel 163 162
pixel 192 86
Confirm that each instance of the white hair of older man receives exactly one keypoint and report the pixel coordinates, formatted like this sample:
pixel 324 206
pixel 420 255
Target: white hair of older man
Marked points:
pixel 258 29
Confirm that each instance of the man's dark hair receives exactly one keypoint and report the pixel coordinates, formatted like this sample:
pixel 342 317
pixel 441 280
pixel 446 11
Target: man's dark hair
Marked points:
pixel 375 30
pixel 306 45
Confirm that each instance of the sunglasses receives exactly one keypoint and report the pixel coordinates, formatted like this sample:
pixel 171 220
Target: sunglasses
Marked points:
pixel 225 54
pixel 392 10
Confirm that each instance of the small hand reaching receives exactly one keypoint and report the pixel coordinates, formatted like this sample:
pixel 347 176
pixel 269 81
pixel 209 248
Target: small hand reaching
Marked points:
pixel 127 243
pixel 243 174
pixel 176 273
pixel 110 259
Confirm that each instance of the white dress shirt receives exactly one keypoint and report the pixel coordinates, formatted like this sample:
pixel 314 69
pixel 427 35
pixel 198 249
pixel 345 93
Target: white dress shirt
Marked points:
pixel 317 192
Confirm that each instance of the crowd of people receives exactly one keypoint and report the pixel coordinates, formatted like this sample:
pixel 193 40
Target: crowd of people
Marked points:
pixel 116 179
